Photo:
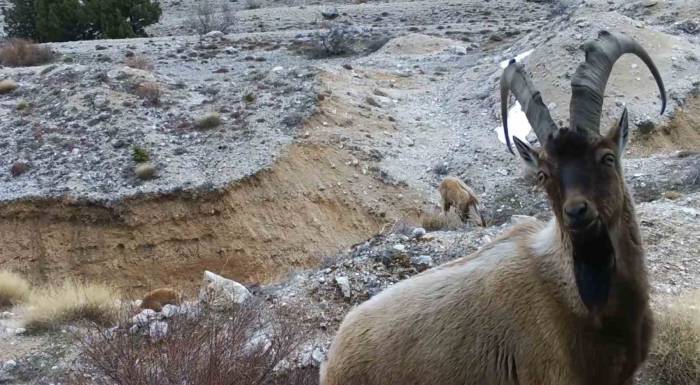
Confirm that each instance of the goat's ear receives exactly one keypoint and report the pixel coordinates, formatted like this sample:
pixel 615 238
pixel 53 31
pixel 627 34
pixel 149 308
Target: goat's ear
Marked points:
pixel 620 133
pixel 529 155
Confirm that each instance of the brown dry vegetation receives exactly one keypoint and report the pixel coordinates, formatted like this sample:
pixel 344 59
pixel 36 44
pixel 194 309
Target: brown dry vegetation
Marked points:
pixel 149 91
pixel 14 288
pixel 240 348
pixel 437 220
pixel 53 306
pixel 23 53
pixel 139 62
pixel 675 355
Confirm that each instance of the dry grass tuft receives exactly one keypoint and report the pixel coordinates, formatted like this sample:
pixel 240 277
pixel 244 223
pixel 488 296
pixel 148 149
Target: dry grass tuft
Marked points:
pixel 675 355
pixel 50 307
pixel 437 220
pixel 13 288
pixel 7 86
pixel 24 53
pixel 150 92
pixel 244 347
pixel 139 62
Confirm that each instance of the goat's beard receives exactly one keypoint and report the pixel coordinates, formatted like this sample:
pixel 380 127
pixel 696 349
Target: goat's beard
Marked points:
pixel 594 264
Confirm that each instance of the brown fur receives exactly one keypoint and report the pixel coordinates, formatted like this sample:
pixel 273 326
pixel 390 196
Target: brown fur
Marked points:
pixel 156 299
pixel 513 313
pixel 456 193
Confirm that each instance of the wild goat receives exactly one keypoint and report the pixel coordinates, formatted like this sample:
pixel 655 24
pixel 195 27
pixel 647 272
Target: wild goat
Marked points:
pixel 156 299
pixel 456 193
pixel 562 303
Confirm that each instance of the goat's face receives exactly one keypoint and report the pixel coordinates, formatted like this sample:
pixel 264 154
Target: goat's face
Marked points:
pixel 582 175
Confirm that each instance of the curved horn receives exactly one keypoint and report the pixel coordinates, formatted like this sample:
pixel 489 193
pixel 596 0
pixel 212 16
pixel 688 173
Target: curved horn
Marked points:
pixel 516 80
pixel 591 77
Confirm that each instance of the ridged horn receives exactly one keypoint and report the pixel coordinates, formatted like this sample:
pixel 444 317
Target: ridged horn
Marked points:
pixel 514 79
pixel 591 77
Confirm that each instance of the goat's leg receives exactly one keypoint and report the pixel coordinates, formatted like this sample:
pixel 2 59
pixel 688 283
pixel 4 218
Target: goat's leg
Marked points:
pixel 446 205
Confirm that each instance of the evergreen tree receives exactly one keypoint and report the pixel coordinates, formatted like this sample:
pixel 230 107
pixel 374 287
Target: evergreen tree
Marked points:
pixel 20 19
pixel 67 20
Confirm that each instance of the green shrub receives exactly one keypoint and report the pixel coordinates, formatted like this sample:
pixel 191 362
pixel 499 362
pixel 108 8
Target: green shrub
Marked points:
pixel 140 155
pixel 69 20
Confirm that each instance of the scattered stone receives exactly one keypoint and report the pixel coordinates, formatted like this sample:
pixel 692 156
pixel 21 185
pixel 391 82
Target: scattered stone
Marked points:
pixel 347 66
pixel 379 92
pixel 318 355
pixel 422 262
pixel 458 50
pixel 158 330
pixel 418 232
pixel 344 285
pixel 689 27
pixel 645 126
pixel 7 86
pixel 9 365
pixel 373 102
pixel 330 13
pixel 214 35
pixel 169 310
pixel 145 171
pixel 144 317
pixel 222 293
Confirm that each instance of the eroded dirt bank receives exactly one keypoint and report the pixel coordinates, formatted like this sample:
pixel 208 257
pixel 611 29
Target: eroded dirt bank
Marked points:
pixel 281 219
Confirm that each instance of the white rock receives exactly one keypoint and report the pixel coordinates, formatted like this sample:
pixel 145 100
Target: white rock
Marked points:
pixel 143 318
pixel 222 293
pixel 6 315
pixel 399 247
pixel 158 330
pixel 318 355
pixel 422 262
pixel 9 364
pixel 344 284
pixel 215 34
pixel 20 331
pixel 418 232
pixel 458 50
pixel 170 310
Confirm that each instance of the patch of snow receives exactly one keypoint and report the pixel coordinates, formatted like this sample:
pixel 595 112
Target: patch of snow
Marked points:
pixel 518 58
pixel 518 125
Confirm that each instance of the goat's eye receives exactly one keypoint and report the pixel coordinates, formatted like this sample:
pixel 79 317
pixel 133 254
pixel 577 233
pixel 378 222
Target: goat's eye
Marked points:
pixel 608 160
pixel 541 177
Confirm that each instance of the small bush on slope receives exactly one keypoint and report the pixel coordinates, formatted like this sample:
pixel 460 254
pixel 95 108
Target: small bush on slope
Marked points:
pixel 244 347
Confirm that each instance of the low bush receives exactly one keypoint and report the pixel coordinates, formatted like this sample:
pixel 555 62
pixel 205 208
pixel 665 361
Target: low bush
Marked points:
pixel 24 53
pixel 13 288
pixel 138 62
pixel 245 347
pixel 209 121
pixel 150 92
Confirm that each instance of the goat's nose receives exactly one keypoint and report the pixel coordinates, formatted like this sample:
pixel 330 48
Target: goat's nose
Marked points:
pixel 576 211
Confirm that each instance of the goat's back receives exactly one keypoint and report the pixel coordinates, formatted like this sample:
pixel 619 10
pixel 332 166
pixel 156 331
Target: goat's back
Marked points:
pixel 466 323
pixel 455 191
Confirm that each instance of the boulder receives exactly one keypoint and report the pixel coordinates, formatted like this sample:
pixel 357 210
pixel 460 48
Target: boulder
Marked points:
pixel 221 293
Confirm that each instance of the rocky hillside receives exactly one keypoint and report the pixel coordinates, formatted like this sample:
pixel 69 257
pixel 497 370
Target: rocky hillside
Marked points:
pixel 296 150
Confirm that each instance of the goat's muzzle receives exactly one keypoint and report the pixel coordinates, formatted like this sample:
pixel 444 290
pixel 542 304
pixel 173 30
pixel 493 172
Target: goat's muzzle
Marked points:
pixel 579 214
